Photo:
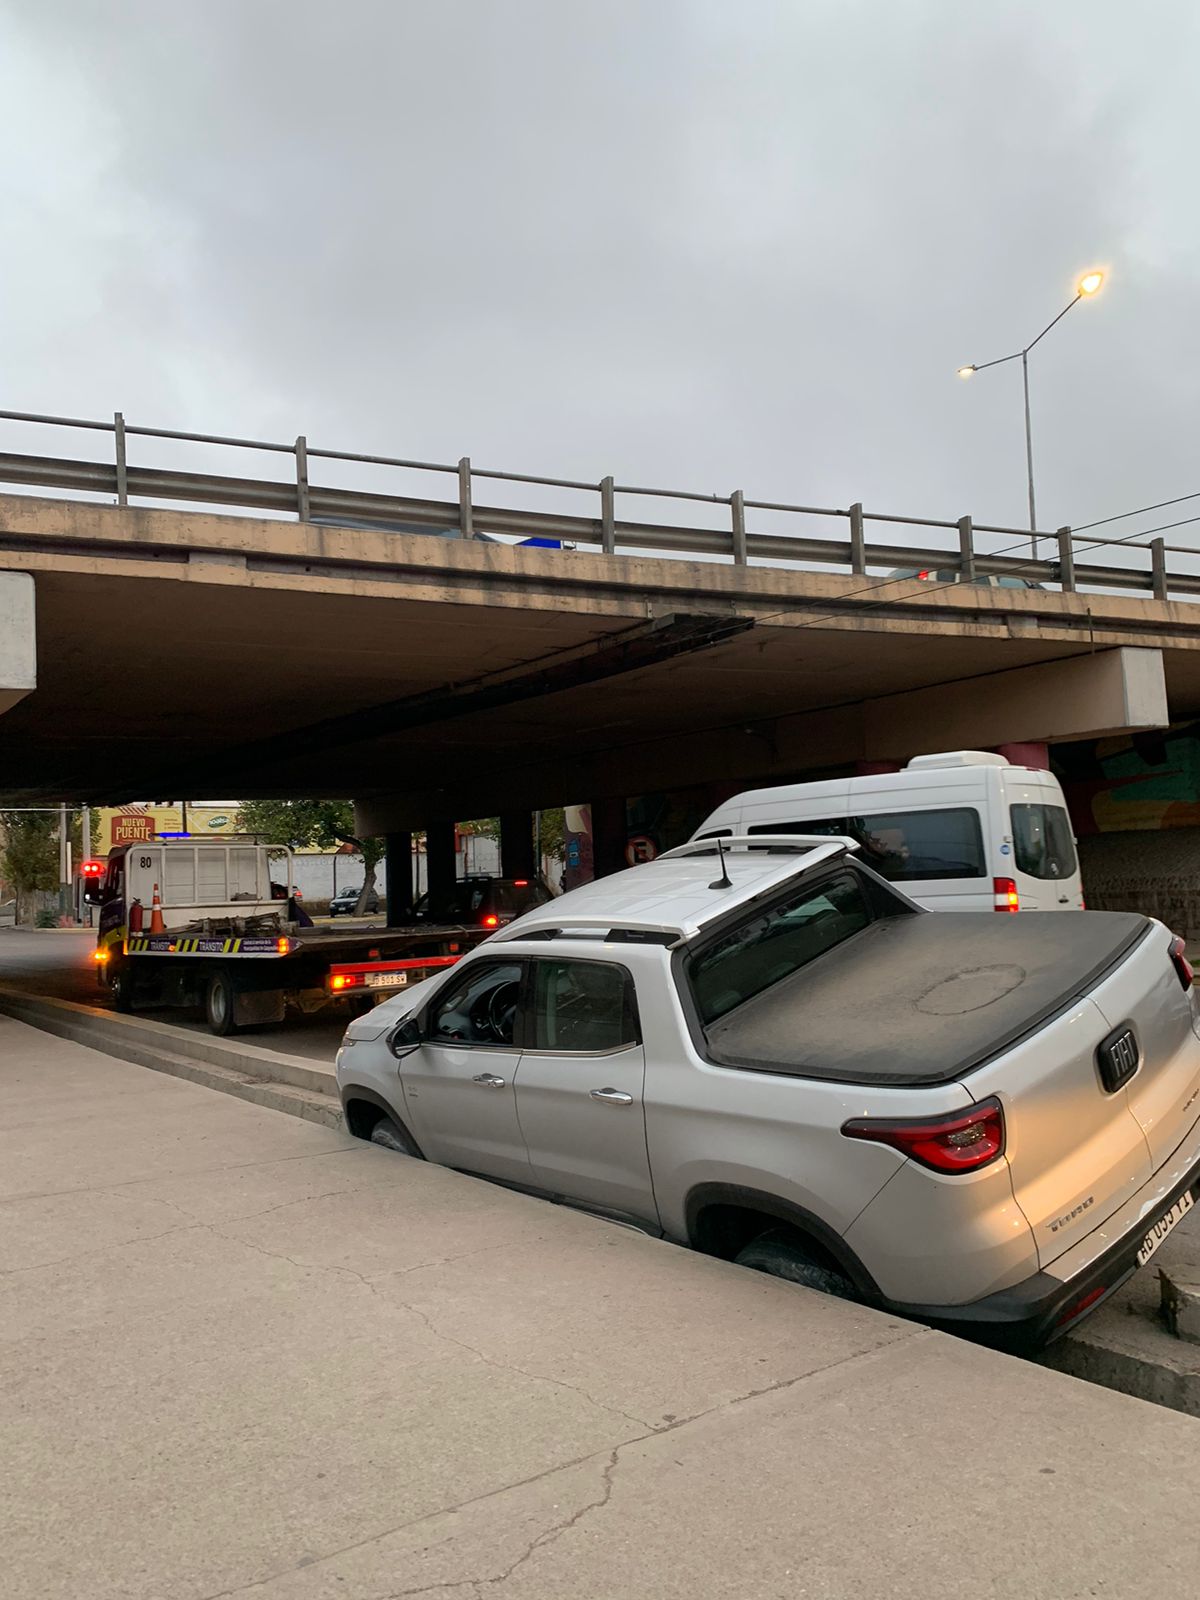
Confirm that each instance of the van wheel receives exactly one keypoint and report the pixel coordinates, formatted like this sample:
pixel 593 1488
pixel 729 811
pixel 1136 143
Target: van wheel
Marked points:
pixel 386 1133
pixel 780 1256
pixel 219 1002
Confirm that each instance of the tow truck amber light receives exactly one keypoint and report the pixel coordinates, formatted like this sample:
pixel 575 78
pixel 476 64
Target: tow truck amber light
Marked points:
pixel 1183 967
pixel 283 946
pixel 1007 898
pixel 100 955
pixel 964 1141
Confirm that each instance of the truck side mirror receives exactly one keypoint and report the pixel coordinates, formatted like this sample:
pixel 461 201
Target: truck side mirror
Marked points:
pixel 93 891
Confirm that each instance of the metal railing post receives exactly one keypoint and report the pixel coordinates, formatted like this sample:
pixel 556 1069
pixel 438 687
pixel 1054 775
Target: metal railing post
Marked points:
pixel 1066 561
pixel 302 507
pixel 466 519
pixel 608 526
pixel 122 469
pixel 858 545
pixel 738 504
pixel 966 550
pixel 1158 560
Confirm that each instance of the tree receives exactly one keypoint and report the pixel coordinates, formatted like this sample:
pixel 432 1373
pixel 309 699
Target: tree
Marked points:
pixel 30 852
pixel 324 824
pixel 29 849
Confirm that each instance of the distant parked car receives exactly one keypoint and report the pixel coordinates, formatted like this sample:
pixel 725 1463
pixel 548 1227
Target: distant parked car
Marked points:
pixel 953 575
pixel 483 902
pixel 345 901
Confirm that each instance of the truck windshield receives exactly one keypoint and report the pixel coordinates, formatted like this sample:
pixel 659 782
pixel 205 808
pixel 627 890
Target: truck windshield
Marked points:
pixel 775 942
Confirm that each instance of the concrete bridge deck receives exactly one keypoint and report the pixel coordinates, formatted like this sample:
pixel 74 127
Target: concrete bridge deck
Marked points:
pixel 222 654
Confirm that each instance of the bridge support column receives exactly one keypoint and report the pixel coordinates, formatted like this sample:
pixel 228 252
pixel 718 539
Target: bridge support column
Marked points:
pixel 440 864
pixel 1026 755
pixel 516 844
pixel 609 829
pixel 18 641
pixel 398 878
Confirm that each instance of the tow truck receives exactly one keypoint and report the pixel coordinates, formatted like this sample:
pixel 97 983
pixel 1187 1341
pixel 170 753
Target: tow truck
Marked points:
pixel 210 923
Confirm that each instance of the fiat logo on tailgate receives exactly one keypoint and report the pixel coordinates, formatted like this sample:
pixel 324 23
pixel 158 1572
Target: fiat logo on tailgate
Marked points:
pixel 1117 1058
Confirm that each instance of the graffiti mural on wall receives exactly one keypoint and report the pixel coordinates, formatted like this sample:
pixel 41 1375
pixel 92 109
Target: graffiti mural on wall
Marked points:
pixel 1133 782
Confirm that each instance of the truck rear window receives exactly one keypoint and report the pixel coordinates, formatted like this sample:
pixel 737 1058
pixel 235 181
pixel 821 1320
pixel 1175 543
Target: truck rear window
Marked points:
pixel 1043 845
pixel 776 942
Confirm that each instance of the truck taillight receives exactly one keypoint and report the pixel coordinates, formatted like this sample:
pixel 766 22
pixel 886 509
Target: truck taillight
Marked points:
pixel 347 980
pixel 1006 896
pixel 1179 960
pixel 491 920
pixel 963 1141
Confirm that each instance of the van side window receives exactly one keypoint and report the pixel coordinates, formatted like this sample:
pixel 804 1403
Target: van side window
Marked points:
pixel 829 827
pixel 922 846
pixel 906 846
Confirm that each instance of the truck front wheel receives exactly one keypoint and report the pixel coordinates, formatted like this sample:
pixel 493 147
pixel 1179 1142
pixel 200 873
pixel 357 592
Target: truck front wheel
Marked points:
pixel 120 987
pixel 219 1003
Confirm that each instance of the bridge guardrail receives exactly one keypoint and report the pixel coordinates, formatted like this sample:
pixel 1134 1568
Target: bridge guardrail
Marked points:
pixel 462 515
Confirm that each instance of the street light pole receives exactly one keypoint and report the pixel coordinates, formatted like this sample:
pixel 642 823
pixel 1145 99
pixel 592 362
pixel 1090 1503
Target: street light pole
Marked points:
pixel 1029 454
pixel 1088 286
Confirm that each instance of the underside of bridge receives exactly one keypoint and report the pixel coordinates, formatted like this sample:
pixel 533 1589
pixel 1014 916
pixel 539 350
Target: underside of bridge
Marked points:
pixel 232 657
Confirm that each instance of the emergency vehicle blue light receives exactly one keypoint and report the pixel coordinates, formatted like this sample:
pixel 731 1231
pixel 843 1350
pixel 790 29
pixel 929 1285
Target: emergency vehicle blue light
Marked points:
pixel 174 836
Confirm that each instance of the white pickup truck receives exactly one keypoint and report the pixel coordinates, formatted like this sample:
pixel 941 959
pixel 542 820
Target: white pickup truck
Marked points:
pixel 759 1047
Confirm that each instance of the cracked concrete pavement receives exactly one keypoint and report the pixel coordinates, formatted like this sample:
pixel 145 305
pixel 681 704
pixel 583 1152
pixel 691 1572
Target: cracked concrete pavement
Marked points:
pixel 242 1355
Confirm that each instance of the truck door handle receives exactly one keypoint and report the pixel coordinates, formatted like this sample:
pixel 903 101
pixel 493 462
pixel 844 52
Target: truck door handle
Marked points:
pixel 489 1080
pixel 612 1097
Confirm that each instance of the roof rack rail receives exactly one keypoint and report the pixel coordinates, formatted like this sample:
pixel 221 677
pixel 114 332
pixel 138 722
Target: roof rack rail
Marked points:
pixel 795 842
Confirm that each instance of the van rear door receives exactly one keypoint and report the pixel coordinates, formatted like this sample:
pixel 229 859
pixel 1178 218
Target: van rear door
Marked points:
pixel 1041 845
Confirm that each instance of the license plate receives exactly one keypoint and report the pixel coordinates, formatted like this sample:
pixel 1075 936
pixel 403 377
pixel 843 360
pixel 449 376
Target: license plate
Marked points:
pixel 1162 1228
pixel 386 980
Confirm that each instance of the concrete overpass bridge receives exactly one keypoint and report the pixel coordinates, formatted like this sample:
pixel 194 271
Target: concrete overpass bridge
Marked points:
pixel 304 640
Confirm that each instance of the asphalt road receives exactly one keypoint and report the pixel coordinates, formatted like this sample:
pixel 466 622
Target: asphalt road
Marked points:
pixel 58 962
pixel 242 1355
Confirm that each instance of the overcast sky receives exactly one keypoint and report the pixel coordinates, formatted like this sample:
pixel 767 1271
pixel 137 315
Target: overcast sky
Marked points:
pixel 700 243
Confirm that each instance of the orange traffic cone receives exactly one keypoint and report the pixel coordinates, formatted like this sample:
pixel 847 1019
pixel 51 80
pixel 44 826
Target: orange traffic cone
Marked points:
pixel 157 925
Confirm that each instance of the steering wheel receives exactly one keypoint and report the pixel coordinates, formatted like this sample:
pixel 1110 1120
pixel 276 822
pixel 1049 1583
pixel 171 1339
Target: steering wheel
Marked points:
pixel 494 1012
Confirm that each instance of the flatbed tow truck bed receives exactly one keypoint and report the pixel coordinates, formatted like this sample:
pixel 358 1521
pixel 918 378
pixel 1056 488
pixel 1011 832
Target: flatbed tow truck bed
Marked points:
pixel 245 978
pixel 224 933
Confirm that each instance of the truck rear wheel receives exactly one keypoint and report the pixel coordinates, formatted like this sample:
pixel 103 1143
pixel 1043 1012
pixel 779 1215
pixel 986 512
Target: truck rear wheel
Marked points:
pixel 220 1000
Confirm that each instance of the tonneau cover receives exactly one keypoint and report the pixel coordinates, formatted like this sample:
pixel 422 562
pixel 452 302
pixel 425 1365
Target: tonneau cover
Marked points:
pixel 923 999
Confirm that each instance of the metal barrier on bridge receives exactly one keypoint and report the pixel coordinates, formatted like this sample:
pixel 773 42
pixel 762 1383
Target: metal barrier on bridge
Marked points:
pixel 957 557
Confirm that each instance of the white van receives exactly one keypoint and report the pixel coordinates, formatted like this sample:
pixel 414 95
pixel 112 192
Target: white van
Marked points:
pixel 960 831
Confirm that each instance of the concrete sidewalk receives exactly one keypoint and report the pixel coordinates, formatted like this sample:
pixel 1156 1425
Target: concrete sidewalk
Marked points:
pixel 243 1355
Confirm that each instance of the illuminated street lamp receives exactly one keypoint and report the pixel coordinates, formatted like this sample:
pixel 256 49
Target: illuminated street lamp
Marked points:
pixel 1086 288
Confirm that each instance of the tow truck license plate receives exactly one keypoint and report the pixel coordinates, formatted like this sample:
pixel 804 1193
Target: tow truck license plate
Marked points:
pixel 1163 1226
pixel 386 980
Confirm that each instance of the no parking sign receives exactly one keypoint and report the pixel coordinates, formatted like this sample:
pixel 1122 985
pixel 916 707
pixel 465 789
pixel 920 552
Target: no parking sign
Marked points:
pixel 641 848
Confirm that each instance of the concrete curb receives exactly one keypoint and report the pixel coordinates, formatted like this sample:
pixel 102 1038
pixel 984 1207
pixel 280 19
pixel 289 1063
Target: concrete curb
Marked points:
pixel 1144 1376
pixel 283 1083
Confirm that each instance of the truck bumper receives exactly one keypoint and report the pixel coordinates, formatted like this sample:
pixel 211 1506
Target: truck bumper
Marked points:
pixel 1033 1313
